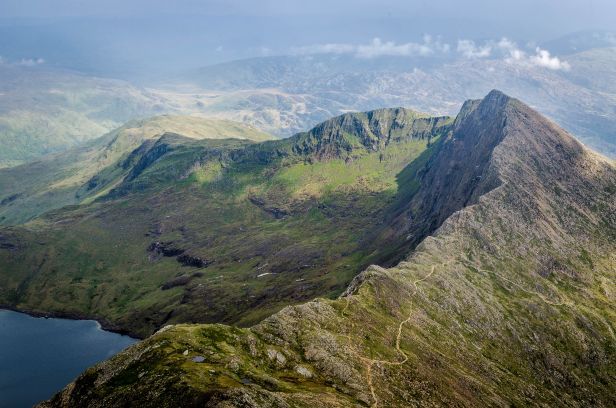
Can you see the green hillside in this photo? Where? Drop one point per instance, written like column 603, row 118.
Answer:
column 185, row 230
column 70, row 177
column 45, row 110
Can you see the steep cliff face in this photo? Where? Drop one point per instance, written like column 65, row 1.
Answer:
column 453, row 178
column 372, row 131
column 508, row 302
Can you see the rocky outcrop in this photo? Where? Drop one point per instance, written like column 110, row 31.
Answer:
column 169, row 249
column 164, row 249
column 372, row 131
column 455, row 177
column 193, row 261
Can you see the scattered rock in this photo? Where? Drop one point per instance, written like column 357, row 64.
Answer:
column 165, row 249
column 195, row 261
column 277, row 356
column 177, row 281
column 303, row 371
column 234, row 364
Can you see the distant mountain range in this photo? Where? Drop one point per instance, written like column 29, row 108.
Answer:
column 310, row 88
column 495, row 232
column 83, row 173
column 45, row 110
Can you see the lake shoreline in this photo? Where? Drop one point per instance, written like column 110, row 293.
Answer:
column 104, row 324
column 41, row 354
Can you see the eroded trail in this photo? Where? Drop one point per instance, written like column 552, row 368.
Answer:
column 369, row 362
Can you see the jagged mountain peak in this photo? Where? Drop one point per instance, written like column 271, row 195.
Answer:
column 494, row 140
column 487, row 122
column 488, row 108
column 496, row 99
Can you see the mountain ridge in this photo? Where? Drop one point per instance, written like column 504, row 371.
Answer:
column 507, row 301
column 302, row 212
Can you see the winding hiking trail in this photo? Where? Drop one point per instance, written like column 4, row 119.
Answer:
column 398, row 349
column 369, row 362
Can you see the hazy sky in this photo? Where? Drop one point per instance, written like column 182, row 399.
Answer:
column 108, row 35
column 581, row 13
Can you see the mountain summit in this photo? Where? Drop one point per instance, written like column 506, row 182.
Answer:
column 503, row 296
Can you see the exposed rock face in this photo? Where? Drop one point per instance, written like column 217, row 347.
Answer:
column 164, row 249
column 371, row 130
column 455, row 177
column 509, row 302
column 193, row 260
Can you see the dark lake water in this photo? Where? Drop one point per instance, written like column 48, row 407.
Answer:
column 39, row 356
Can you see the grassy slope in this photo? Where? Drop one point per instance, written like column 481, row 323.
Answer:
column 43, row 110
column 510, row 303
column 298, row 210
column 54, row 181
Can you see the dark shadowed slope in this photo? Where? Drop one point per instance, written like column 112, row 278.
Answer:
column 510, row 302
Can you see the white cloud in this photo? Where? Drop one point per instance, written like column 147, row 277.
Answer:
column 504, row 48
column 469, row 49
column 331, row 48
column 31, row 62
column 543, row 58
column 24, row 62
column 506, row 44
column 511, row 50
column 512, row 54
column 378, row 48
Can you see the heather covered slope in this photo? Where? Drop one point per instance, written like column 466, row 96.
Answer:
column 509, row 303
column 183, row 230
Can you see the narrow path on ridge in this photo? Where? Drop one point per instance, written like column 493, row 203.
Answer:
column 369, row 362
